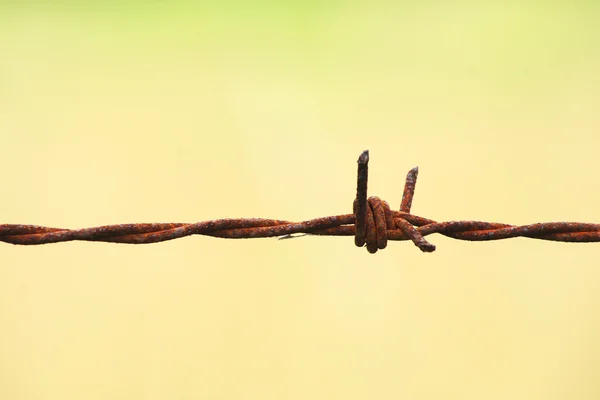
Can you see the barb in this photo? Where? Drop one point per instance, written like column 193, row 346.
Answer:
column 372, row 223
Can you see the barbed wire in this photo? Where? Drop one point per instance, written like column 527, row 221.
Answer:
column 372, row 222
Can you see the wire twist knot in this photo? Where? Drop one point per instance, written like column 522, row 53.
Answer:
column 374, row 216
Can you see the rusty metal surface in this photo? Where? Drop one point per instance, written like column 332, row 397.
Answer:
column 372, row 223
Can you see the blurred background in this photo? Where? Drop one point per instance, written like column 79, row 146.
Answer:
column 131, row 111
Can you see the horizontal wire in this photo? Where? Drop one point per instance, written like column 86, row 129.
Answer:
column 373, row 223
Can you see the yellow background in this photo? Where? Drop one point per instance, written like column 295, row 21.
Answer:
column 131, row 112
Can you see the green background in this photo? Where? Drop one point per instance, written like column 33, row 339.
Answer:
column 115, row 112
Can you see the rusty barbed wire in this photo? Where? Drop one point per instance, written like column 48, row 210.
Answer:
column 372, row 222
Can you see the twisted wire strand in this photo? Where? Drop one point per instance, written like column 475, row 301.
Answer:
column 373, row 223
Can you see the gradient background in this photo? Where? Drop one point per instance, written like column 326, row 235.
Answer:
column 114, row 112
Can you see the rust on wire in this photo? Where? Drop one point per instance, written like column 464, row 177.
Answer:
column 372, row 222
